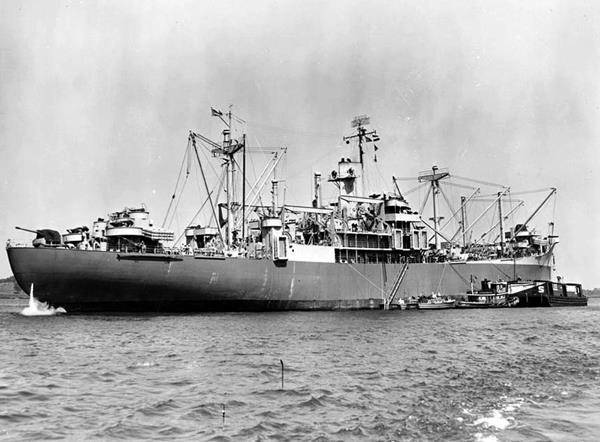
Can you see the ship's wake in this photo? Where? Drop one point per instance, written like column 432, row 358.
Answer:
column 38, row 308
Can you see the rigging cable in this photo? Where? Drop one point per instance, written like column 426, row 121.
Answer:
column 442, row 276
column 509, row 214
column 260, row 200
column 380, row 176
column 462, row 186
column 208, row 191
column 179, row 199
column 449, row 204
column 425, row 201
column 193, row 218
column 186, row 154
column 220, row 179
column 508, row 277
column 365, row 278
column 487, row 183
column 460, row 207
column 200, row 190
column 511, row 205
column 465, row 280
column 219, row 190
column 492, row 224
column 417, row 187
column 526, row 192
column 209, row 163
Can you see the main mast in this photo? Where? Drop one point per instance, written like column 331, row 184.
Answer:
column 434, row 177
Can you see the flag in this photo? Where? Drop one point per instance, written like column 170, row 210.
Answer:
column 376, row 137
column 215, row 113
column 375, row 147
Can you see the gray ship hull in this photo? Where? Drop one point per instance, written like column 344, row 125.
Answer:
column 95, row 281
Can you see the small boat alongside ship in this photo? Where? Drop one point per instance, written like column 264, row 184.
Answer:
column 411, row 303
column 436, row 302
column 524, row 294
column 548, row 294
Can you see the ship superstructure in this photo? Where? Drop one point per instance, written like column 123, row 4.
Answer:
column 364, row 249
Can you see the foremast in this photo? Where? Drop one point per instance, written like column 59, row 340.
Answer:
column 226, row 151
column 232, row 233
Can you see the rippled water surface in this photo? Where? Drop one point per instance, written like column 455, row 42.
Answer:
column 502, row 374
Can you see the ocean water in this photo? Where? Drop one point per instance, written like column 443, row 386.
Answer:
column 480, row 375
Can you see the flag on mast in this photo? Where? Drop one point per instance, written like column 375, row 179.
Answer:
column 215, row 113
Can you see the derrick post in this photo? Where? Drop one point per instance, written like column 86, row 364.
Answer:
column 434, row 190
column 501, row 223
column 463, row 219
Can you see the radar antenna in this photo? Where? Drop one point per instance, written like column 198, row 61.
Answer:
column 364, row 136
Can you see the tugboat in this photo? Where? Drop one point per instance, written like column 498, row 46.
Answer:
column 485, row 300
column 492, row 294
column 360, row 251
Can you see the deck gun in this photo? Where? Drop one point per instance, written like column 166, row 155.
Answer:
column 45, row 237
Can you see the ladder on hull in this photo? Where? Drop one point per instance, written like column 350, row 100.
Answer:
column 395, row 287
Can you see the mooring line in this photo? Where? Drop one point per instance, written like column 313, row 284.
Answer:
column 501, row 271
column 367, row 279
column 465, row 280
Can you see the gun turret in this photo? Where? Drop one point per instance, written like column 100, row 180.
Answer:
column 45, row 237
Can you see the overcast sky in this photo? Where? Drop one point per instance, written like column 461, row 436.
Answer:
column 97, row 98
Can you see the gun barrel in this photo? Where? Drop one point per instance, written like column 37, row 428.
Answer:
column 27, row 230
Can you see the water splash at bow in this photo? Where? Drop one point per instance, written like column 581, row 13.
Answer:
column 37, row 308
